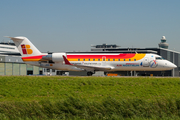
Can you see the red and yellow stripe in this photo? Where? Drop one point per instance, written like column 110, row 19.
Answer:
column 90, row 57
column 117, row 57
column 33, row 58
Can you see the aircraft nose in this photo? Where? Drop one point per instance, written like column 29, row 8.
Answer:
column 172, row 65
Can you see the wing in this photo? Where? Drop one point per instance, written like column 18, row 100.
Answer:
column 88, row 68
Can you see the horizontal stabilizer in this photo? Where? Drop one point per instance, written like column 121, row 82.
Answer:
column 25, row 47
column 14, row 38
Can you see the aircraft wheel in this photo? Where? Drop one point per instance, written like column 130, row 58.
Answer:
column 105, row 73
column 89, row 73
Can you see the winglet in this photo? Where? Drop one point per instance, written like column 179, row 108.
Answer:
column 66, row 61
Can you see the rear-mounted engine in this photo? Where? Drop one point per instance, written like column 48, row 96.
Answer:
column 55, row 57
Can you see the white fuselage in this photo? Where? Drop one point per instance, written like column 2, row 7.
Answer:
column 149, row 62
column 90, row 61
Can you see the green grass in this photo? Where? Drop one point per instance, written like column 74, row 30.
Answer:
column 55, row 97
column 33, row 88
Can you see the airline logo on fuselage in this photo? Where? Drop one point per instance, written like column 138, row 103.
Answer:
column 26, row 49
column 153, row 63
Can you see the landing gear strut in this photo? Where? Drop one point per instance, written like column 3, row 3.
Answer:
column 89, row 73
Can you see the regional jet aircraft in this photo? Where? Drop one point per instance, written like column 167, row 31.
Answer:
column 90, row 61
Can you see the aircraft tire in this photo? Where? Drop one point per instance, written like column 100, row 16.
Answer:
column 89, row 73
column 105, row 73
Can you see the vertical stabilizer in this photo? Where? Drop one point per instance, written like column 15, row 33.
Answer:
column 25, row 47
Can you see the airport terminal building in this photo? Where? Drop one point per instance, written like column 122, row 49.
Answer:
column 170, row 55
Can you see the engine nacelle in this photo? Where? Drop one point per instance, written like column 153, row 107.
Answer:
column 58, row 57
column 55, row 57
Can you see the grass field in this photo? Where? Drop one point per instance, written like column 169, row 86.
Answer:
column 58, row 97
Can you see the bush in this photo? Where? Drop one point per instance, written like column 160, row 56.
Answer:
column 109, row 108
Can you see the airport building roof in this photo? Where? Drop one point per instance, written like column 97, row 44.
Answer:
column 8, row 48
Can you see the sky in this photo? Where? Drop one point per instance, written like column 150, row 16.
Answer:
column 75, row 25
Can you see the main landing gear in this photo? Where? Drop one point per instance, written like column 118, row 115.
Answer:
column 89, row 73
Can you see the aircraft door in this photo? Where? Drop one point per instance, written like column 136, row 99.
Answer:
column 103, row 60
column 145, row 62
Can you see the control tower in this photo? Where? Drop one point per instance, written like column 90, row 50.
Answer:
column 163, row 43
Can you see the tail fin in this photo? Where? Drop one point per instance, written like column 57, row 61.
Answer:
column 25, row 47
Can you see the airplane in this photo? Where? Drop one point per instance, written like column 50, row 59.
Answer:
column 90, row 61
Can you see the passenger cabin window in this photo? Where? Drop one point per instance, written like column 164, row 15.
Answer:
column 129, row 59
column 89, row 60
column 93, row 59
column 98, row 59
column 134, row 59
column 124, row 59
column 118, row 59
column 78, row 59
column 108, row 59
column 83, row 59
column 113, row 59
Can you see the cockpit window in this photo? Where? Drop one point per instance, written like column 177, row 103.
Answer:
column 159, row 58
